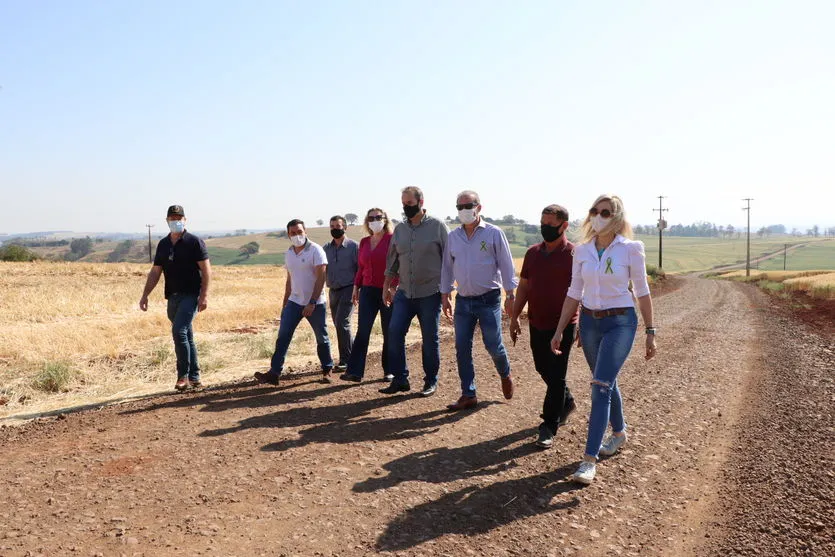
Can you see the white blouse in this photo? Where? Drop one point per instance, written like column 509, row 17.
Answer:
column 602, row 282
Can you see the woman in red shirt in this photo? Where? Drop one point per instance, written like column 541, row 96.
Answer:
column 368, row 293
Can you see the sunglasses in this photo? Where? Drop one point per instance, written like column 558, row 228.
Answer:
column 605, row 213
column 463, row 206
column 375, row 217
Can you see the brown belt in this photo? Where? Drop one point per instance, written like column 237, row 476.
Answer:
column 601, row 313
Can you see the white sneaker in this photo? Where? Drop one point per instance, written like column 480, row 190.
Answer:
column 612, row 443
column 585, row 473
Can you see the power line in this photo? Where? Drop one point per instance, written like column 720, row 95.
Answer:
column 662, row 224
column 150, row 257
column 748, row 238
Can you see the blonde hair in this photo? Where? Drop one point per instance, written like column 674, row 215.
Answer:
column 386, row 222
column 617, row 224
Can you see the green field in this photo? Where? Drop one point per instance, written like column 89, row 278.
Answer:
column 696, row 254
column 681, row 254
column 816, row 256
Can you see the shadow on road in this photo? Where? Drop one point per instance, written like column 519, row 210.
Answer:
column 441, row 465
column 245, row 395
column 476, row 510
column 341, row 423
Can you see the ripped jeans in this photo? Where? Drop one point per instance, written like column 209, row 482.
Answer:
column 606, row 345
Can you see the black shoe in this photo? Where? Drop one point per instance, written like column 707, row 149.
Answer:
column 388, row 377
column 268, row 377
column 429, row 388
column 546, row 437
column 341, row 367
column 350, row 377
column 569, row 408
column 395, row 388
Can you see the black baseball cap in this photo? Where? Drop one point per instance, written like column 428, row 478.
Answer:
column 176, row 210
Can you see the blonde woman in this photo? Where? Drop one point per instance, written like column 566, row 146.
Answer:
column 368, row 293
column 604, row 264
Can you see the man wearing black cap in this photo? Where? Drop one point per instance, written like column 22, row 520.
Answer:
column 184, row 260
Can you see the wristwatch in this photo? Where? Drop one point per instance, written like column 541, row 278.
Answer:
column 312, row 302
column 650, row 330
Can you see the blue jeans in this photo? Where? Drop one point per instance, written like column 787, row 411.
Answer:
column 370, row 304
column 291, row 316
column 606, row 344
column 342, row 308
column 181, row 311
column 486, row 310
column 428, row 311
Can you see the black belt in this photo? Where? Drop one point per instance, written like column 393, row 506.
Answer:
column 342, row 287
column 480, row 296
column 601, row 313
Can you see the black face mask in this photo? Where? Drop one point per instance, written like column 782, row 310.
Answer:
column 550, row 233
column 411, row 210
column 337, row 233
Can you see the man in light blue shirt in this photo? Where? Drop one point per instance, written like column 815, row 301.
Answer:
column 477, row 257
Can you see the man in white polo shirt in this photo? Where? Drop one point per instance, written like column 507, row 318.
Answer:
column 306, row 265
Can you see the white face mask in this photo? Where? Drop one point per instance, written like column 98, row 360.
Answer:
column 598, row 223
column 177, row 226
column 467, row 216
column 376, row 226
column 298, row 240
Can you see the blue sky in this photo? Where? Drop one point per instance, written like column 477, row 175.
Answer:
column 251, row 113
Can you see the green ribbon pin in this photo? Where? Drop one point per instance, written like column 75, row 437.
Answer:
column 608, row 270
column 483, row 245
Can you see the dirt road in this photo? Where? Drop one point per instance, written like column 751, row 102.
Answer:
column 730, row 451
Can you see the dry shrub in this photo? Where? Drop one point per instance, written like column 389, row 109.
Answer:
column 54, row 377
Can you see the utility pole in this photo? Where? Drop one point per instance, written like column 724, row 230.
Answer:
column 662, row 224
column 785, row 249
column 150, row 256
column 748, row 240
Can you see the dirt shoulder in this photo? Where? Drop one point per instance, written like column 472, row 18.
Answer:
column 778, row 495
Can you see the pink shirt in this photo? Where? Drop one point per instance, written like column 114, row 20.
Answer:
column 371, row 269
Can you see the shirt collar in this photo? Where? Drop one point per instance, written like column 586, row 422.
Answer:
column 562, row 242
column 422, row 219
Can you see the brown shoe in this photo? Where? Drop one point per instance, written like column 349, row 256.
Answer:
column 463, row 403
column 182, row 384
column 269, row 377
column 326, row 376
column 507, row 387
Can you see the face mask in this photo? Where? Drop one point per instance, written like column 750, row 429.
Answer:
column 337, row 233
column 467, row 216
column 598, row 223
column 550, row 233
column 411, row 210
column 376, row 226
column 299, row 240
column 176, row 226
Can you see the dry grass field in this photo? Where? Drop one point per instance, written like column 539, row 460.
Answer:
column 72, row 333
column 818, row 284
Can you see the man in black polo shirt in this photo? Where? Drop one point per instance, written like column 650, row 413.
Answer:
column 184, row 260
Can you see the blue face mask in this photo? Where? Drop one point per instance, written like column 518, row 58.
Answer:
column 176, row 226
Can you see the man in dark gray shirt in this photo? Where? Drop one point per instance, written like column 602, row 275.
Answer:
column 415, row 256
column 342, row 255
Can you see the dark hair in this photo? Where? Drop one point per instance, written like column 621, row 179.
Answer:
column 558, row 210
column 414, row 190
column 340, row 217
column 293, row 223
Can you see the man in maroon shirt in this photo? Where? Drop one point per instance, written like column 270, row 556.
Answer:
column 545, row 278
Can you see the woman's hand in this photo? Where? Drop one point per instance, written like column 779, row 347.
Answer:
column 651, row 348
